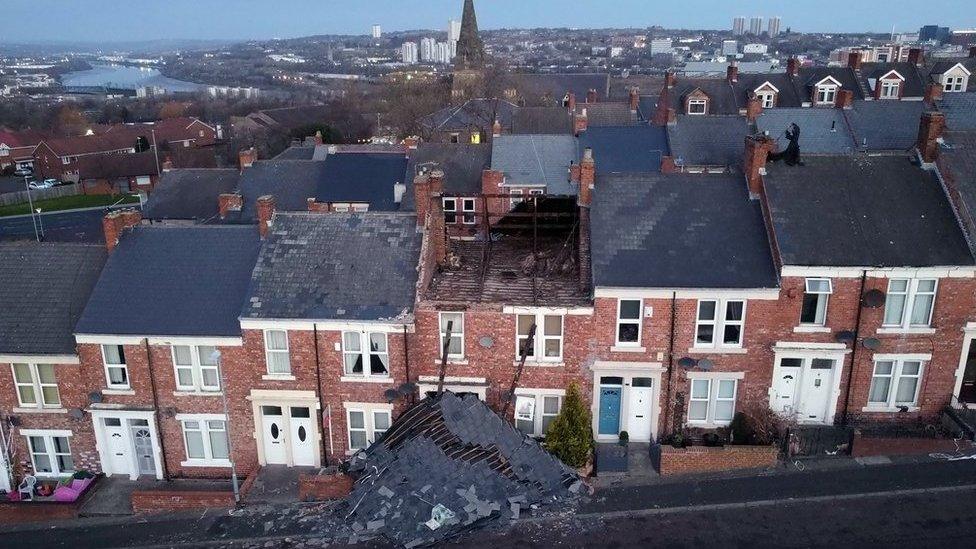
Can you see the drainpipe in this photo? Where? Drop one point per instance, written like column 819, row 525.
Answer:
column 318, row 390
column 857, row 334
column 155, row 395
column 406, row 362
column 230, row 439
column 667, row 398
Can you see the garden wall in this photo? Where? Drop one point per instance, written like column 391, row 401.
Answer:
column 864, row 446
column 704, row 459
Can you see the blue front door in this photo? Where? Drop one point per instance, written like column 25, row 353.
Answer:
column 609, row 410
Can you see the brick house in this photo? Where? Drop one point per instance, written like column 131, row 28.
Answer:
column 45, row 286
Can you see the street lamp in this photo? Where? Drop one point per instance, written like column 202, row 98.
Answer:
column 40, row 221
column 30, row 204
column 215, row 356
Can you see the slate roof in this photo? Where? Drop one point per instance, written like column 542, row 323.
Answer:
column 536, row 160
column 708, row 140
column 959, row 164
column 336, row 266
column 542, row 120
column 194, row 282
column 721, row 97
column 822, row 131
column 536, row 89
column 473, row 113
column 808, row 76
column 678, row 231
column 290, row 182
column 788, row 96
column 879, row 211
column 44, row 290
column 462, row 164
column 885, row 125
column 914, row 82
column 943, row 65
column 607, row 114
column 626, row 149
column 296, row 152
column 190, row 193
column 960, row 110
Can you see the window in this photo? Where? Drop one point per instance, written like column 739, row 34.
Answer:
column 36, row 385
column 534, row 413
column 467, row 207
column 895, row 383
column 697, row 106
column 116, row 371
column 450, row 210
column 50, row 454
column 276, row 352
column 629, row 322
column 814, row 311
column 360, row 348
column 826, row 95
column 952, row 84
column 720, row 317
column 206, row 439
column 712, row 401
column 548, row 340
column 475, row 138
column 890, row 89
column 196, row 368
column 767, row 99
column 366, row 427
column 516, row 197
column 456, row 347
column 909, row 302
column 455, row 138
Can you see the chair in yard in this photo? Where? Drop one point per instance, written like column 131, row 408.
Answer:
column 26, row 488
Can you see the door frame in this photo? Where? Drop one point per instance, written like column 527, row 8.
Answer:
column 101, row 441
column 807, row 352
column 969, row 334
column 285, row 399
column 628, row 371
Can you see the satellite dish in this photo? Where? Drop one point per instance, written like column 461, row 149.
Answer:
column 76, row 413
column 687, row 362
column 872, row 343
column 845, row 336
column 873, row 299
column 705, row 364
column 170, row 411
column 14, row 421
column 391, row 394
column 486, row 342
column 95, row 397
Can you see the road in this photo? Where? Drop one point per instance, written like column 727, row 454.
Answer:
column 11, row 184
column 70, row 226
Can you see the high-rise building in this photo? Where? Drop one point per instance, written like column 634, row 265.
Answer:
column 755, row 25
column 442, row 53
column 730, row 47
column 934, row 32
column 409, row 52
column 377, row 31
column 453, row 34
column 739, row 26
column 427, row 46
column 774, row 23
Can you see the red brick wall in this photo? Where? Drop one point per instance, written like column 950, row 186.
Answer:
column 21, row 513
column 160, row 501
column 702, row 459
column 904, row 446
column 324, row 487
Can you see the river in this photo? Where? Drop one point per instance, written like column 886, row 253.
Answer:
column 125, row 77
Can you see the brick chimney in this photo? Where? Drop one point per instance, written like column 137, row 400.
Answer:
column 496, row 128
column 571, row 101
column 229, row 202
column 792, row 66
column 580, row 123
column 915, row 56
column 972, row 52
column 758, row 148
column 421, row 197
column 167, row 164
column 732, row 73
column 411, row 143
column 435, row 228
column 845, row 99
column 854, row 60
column 266, row 211
column 670, row 79
column 591, row 96
column 247, row 157
column 668, row 165
column 753, row 108
column 587, row 178
column 318, row 137
column 115, row 223
column 634, row 99
column 933, row 92
column 672, row 119
column 929, row 131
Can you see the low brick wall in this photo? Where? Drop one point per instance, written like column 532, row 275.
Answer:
column 158, row 501
column 324, row 487
column 23, row 512
column 704, row 459
column 864, row 446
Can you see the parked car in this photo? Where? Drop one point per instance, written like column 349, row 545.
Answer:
column 23, row 172
column 53, row 182
column 46, row 184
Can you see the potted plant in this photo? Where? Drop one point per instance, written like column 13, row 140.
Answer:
column 624, row 438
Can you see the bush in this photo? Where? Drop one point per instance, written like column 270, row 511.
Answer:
column 760, row 426
column 570, row 436
column 739, row 430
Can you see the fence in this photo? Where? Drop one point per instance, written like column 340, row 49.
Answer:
column 20, row 197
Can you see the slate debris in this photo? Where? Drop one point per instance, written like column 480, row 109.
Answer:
column 455, row 452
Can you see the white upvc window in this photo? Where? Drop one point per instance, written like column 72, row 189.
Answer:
column 450, row 210
column 36, row 385
column 467, row 211
column 954, row 84
column 276, row 352
column 767, row 99
column 456, row 348
column 890, row 89
column 205, row 438
column 698, row 106
column 909, row 302
column 361, row 348
column 196, row 367
column 895, row 383
column 516, row 197
column 50, row 453
column 816, row 295
column 826, row 94
column 116, row 371
column 720, row 323
column 712, row 401
column 548, row 341
column 629, row 322
column 365, row 426
column 534, row 412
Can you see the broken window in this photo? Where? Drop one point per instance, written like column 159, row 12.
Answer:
column 456, row 321
column 362, row 348
column 815, row 298
column 547, row 344
column 534, row 412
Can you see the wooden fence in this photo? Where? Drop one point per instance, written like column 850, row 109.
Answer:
column 20, row 197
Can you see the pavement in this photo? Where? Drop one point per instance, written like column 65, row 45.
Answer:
column 276, row 484
column 83, row 225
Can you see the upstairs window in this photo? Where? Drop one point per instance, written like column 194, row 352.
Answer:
column 815, row 298
column 116, row 371
column 909, row 303
column 697, row 106
column 954, row 84
column 720, row 323
column 276, row 352
column 196, row 368
column 767, row 99
column 890, row 89
column 548, row 341
column 467, row 209
column 629, row 322
column 36, row 386
column 362, row 348
column 450, row 210
column 455, row 349
column 826, row 94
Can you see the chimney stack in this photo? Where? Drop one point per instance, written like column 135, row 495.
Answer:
column 753, row 108
column 410, row 143
column 972, row 52
column 591, row 96
column 266, row 211
column 634, row 99
column 496, row 128
column 929, row 132
column 580, row 123
column 670, row 79
column 571, row 101
column 421, row 197
column 436, row 229
column 915, row 56
column 792, row 66
column 167, row 164
column 672, row 117
column 115, row 223
column 854, row 60
column 933, row 92
column 845, row 99
column 668, row 165
column 247, row 157
column 758, row 148
column 229, row 202
column 587, row 178
column 732, row 73
column 318, row 137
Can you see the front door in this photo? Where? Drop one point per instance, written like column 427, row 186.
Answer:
column 302, row 446
column 790, row 370
column 142, row 441
column 272, row 423
column 815, row 393
column 639, row 406
column 967, row 391
column 609, row 410
column 118, row 446
column 4, row 471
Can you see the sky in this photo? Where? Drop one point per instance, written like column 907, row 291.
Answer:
column 132, row 20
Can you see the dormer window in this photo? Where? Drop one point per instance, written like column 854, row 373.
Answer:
column 890, row 89
column 954, row 84
column 766, row 99
column 698, row 106
column 826, row 94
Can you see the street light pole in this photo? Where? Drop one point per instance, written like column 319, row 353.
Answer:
column 30, row 204
column 230, row 447
column 40, row 221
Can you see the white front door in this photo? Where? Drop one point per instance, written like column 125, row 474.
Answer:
column 118, row 446
column 784, row 386
column 4, row 471
column 145, row 455
column 302, row 442
column 640, row 408
column 815, row 392
column 273, row 425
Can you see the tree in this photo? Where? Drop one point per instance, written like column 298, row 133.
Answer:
column 570, row 436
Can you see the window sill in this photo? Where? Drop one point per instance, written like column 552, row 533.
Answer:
column 452, row 361
column 627, row 349
column 538, row 363
column 890, row 410
column 119, row 392
column 811, row 330
column 205, row 463
column 917, row 331
column 198, row 393
column 278, row 377
column 32, row 410
column 708, row 424
column 718, row 350
column 364, row 379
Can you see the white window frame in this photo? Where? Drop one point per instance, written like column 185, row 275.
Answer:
column 713, row 383
column 369, row 424
column 36, row 385
column 826, row 94
column 49, row 451
column 365, row 353
column 468, row 207
column 719, row 323
column 537, row 397
column 269, row 351
column 895, row 378
column 515, row 199
column 622, row 321
column 767, row 99
column 911, row 295
column 450, row 209
column 890, row 89
column 455, row 333
column 196, row 368
column 205, row 429
column 823, row 296
column 539, row 341
column 121, row 366
column 703, row 103
column 954, row 84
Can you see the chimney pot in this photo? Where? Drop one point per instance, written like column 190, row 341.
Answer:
column 266, row 211
column 247, row 157
column 854, row 60
column 792, row 66
column 634, row 99
column 229, row 202
column 580, row 123
column 496, row 128
column 732, row 72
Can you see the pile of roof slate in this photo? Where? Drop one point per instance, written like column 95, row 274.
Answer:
column 447, row 465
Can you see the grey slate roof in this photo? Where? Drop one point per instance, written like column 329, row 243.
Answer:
column 536, row 160
column 296, row 152
column 462, row 164
column 959, row 165
column 788, row 86
column 473, row 113
column 542, row 120
column 809, row 76
column 43, row 291
column 336, row 266
column 626, row 149
column 678, row 231
column 708, row 140
column 879, row 211
column 173, row 281
column 721, row 97
column 536, row 89
column 822, row 131
column 914, row 82
column 960, row 110
column 885, row 125
column 607, row 114
column 190, row 193
column 291, row 182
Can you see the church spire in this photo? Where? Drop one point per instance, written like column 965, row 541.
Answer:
column 470, row 48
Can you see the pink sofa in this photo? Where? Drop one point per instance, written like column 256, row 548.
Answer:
column 72, row 491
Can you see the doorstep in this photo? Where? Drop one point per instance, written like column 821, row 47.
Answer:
column 635, row 462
